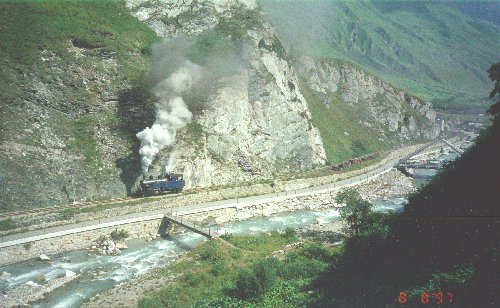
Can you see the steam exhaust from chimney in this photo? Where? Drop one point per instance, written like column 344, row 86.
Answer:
column 172, row 113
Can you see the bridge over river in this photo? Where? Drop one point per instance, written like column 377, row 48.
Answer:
column 407, row 163
column 191, row 225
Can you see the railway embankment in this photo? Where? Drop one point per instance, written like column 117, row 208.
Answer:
column 66, row 215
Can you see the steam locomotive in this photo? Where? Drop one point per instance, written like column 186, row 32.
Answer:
column 161, row 185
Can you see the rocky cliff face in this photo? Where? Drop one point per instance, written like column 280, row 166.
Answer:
column 256, row 123
column 70, row 133
column 389, row 110
column 60, row 139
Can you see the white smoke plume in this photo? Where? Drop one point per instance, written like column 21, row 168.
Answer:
column 172, row 161
column 172, row 113
column 181, row 83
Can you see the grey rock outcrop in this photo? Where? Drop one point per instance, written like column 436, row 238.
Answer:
column 186, row 17
column 388, row 108
column 257, row 121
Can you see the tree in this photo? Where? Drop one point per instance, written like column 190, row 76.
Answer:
column 356, row 210
column 494, row 73
column 261, row 278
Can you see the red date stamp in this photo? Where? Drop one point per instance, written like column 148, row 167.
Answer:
column 426, row 298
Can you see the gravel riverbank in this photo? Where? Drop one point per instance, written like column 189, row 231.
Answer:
column 32, row 291
column 390, row 185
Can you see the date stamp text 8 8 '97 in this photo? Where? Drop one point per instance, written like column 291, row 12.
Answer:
column 426, row 298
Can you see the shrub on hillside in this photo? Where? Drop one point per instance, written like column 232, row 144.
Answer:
column 297, row 267
column 315, row 251
column 118, row 236
column 217, row 268
column 290, row 234
column 254, row 282
column 211, row 252
column 247, row 285
column 265, row 271
column 7, row 224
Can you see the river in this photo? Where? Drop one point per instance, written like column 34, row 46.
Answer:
column 100, row 273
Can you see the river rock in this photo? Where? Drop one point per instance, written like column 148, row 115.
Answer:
column 114, row 252
column 69, row 274
column 44, row 257
column 121, row 245
column 100, row 271
column 5, row 275
column 338, row 243
column 31, row 284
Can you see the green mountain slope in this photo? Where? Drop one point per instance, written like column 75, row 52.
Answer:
column 65, row 70
column 429, row 49
column 30, row 27
column 486, row 10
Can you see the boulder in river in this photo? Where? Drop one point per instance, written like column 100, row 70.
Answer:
column 121, row 245
column 31, row 284
column 5, row 275
column 114, row 252
column 44, row 257
column 100, row 271
column 69, row 274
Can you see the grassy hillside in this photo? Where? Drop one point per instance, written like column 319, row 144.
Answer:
column 486, row 10
column 339, row 125
column 426, row 48
column 65, row 67
column 30, row 27
column 240, row 271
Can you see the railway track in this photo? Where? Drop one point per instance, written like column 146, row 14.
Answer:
column 53, row 209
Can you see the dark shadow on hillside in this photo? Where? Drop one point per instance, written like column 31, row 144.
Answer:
column 136, row 111
column 131, row 169
column 445, row 239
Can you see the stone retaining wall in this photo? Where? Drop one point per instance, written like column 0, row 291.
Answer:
column 318, row 201
column 73, row 241
column 149, row 228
